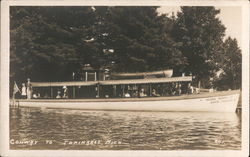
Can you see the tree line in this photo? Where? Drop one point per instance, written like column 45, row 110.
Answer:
column 49, row 43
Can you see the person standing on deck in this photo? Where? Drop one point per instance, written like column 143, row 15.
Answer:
column 179, row 89
column 23, row 91
column 173, row 89
column 65, row 92
column 29, row 89
column 176, row 89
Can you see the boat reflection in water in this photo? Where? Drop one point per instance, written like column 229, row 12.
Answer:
column 127, row 130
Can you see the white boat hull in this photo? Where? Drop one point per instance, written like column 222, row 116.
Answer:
column 210, row 102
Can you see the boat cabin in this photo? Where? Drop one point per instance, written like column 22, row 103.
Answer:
column 88, row 73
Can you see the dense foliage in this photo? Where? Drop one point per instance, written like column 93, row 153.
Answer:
column 49, row 43
column 201, row 34
column 140, row 39
column 230, row 65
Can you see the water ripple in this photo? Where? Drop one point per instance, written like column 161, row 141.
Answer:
column 125, row 130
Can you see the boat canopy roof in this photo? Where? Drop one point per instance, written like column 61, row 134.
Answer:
column 147, row 81
column 60, row 84
column 112, row 82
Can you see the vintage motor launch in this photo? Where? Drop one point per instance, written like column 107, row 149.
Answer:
column 149, row 91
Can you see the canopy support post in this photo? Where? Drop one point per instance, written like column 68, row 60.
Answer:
column 123, row 86
column 150, row 89
column 51, row 92
column 114, row 90
column 98, row 91
column 86, row 76
column 74, row 92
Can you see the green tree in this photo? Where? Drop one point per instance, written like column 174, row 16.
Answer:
column 230, row 66
column 201, row 33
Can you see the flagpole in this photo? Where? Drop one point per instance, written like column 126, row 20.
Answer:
column 15, row 90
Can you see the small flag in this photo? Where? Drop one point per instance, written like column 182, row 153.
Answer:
column 15, row 89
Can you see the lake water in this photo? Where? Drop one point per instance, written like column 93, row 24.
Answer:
column 35, row 128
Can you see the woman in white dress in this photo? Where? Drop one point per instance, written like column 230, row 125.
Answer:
column 24, row 91
column 29, row 89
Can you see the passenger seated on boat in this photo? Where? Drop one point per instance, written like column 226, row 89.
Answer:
column 46, row 96
column 197, row 90
column 38, row 95
column 142, row 93
column 136, row 93
column 58, row 95
column 127, row 95
column 173, row 92
column 34, row 96
column 154, row 93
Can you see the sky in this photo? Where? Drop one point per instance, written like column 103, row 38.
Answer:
column 230, row 16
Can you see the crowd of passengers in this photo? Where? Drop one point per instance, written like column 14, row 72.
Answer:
column 174, row 91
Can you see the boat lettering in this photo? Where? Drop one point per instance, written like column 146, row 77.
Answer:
column 223, row 97
column 210, row 99
column 214, row 102
column 219, row 99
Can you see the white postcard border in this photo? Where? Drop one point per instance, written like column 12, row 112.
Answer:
column 5, row 151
